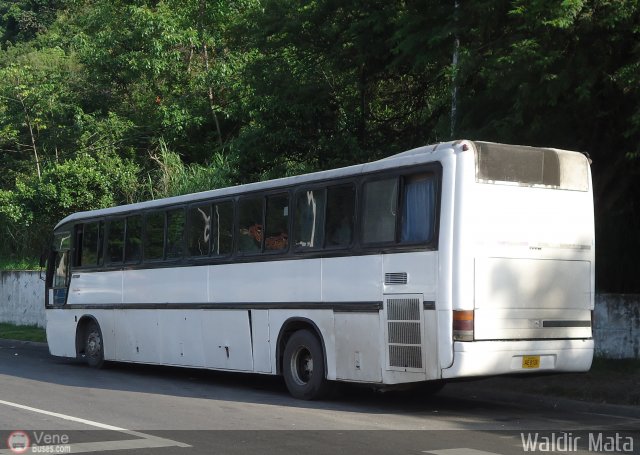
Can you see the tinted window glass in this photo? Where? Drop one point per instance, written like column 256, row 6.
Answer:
column 154, row 236
column 379, row 212
column 512, row 163
column 133, row 243
column 340, row 211
column 418, row 209
column 61, row 243
column 277, row 220
column 309, row 219
column 222, row 229
column 175, row 233
column 115, row 240
column 91, row 243
column 199, row 233
column 250, row 230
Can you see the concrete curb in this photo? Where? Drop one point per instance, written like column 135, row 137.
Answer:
column 488, row 394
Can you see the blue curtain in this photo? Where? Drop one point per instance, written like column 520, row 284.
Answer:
column 418, row 210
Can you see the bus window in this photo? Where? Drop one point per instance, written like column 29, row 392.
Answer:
column 154, row 236
column 309, row 219
column 199, row 232
column 61, row 245
column 92, row 236
column 418, row 209
column 133, row 241
column 115, row 240
column 175, row 234
column 339, row 218
column 277, row 221
column 57, row 278
column 250, row 225
column 222, row 232
column 379, row 213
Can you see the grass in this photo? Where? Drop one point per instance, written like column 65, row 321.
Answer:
column 22, row 332
column 19, row 264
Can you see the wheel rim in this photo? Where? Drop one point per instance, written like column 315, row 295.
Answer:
column 302, row 365
column 94, row 344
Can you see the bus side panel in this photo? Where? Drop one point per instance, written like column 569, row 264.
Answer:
column 352, row 279
column 179, row 337
column 166, row 285
column 95, row 287
column 283, row 281
column 261, row 343
column 61, row 333
column 137, row 337
column 226, row 338
column 358, row 354
column 422, row 279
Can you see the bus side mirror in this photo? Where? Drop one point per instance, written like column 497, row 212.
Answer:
column 43, row 262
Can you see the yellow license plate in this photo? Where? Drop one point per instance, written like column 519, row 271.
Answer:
column 531, row 361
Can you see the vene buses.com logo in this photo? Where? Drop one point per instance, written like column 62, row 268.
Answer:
column 18, row 442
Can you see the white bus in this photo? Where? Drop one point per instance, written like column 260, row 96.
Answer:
column 461, row 259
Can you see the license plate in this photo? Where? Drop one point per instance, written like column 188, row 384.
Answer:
column 531, row 361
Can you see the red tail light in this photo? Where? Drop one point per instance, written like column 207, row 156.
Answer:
column 463, row 325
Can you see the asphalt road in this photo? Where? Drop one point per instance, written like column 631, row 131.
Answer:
column 62, row 406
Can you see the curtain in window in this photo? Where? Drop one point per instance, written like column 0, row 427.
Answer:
column 418, row 210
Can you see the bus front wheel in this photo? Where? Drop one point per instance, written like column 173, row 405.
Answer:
column 93, row 345
column 303, row 366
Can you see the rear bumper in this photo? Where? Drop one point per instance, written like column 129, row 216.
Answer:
column 483, row 358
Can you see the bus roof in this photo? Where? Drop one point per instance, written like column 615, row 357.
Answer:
column 408, row 158
column 424, row 154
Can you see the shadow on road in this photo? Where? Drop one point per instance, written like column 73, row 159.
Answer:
column 33, row 362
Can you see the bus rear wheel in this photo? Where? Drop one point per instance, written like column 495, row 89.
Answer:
column 93, row 345
column 303, row 366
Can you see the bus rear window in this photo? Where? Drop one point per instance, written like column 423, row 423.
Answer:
column 531, row 166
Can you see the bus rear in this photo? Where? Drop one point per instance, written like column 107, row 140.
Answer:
column 523, row 261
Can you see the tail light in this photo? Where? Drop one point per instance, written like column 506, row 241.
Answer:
column 463, row 325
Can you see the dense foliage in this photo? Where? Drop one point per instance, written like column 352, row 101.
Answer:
column 103, row 102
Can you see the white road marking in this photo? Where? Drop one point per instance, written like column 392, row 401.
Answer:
column 63, row 416
column 144, row 441
column 461, row 451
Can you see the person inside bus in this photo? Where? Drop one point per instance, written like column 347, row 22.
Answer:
column 250, row 238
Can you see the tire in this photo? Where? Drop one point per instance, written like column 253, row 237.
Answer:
column 93, row 345
column 303, row 366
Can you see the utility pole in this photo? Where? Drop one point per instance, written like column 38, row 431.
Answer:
column 454, row 88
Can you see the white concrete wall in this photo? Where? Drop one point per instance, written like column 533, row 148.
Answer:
column 617, row 326
column 22, row 298
column 616, row 330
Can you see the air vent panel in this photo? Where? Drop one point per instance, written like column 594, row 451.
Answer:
column 394, row 278
column 404, row 328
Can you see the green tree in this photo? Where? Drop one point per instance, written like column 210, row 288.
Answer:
column 37, row 106
column 29, row 212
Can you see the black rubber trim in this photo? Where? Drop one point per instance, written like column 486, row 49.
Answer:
column 566, row 323
column 335, row 306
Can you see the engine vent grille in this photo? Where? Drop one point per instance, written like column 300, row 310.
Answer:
column 405, row 356
column 404, row 332
column 395, row 278
column 403, row 310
